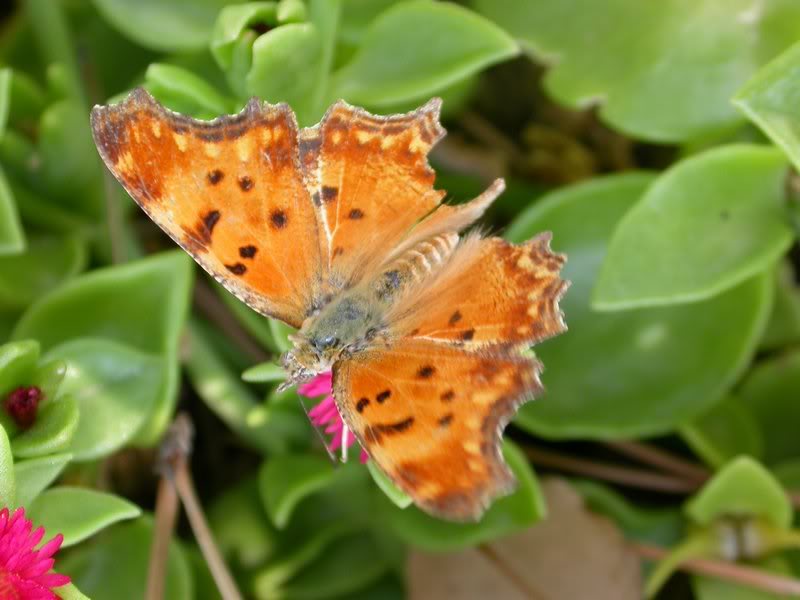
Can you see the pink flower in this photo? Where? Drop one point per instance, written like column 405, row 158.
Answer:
column 24, row 572
column 22, row 404
column 325, row 414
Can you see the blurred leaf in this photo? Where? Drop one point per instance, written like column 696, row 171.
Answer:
column 725, row 431
column 55, row 426
column 115, row 565
column 280, row 334
column 769, row 393
column 650, row 525
column 663, row 71
column 140, row 304
column 12, row 237
column 771, row 99
column 47, row 262
column 231, row 24
column 70, row 592
column 240, row 526
column 165, row 25
column 184, row 92
column 545, row 558
column 393, row 493
column 783, row 327
column 115, row 387
column 79, row 513
column 440, row 43
column 742, row 488
column 707, row 224
column 639, row 372
column 256, row 324
column 35, row 474
column 233, row 402
column 285, row 480
column 353, row 563
column 506, row 515
column 267, row 372
column 17, row 364
column 8, row 488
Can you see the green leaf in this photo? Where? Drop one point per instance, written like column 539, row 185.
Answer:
column 115, row 565
column 183, row 91
column 354, row 563
column 662, row 71
column 286, row 480
column 677, row 243
column 440, row 43
column 725, row 431
column 511, row 513
column 35, row 474
column 771, row 99
column 783, row 328
column 285, row 61
column 742, row 488
column 140, row 304
column 56, row 424
column 8, row 487
column 17, row 364
column 393, row 493
column 70, row 592
column 256, row 324
column 79, row 513
column 47, row 262
column 233, row 21
column 115, row 387
column 267, row 372
column 165, row 25
column 640, row 372
column 12, row 237
column 769, row 394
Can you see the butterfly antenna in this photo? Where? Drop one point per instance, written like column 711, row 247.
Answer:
column 317, row 431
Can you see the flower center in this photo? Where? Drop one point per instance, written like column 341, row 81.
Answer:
column 22, row 405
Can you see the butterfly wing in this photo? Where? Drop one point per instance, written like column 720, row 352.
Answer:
column 490, row 292
column 231, row 192
column 431, row 415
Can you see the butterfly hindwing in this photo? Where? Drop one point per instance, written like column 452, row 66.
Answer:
column 431, row 415
column 229, row 191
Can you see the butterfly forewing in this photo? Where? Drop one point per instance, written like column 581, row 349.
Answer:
column 229, row 191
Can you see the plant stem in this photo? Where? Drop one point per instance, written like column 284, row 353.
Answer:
column 524, row 588
column 167, row 506
column 733, row 572
column 621, row 475
column 657, row 457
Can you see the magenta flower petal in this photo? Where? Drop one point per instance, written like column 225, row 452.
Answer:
column 24, row 571
column 326, row 414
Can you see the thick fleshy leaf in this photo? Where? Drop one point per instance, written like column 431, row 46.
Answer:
column 707, row 224
column 638, row 372
column 35, row 474
column 440, row 43
column 387, row 486
column 79, row 513
column 285, row 480
column 140, row 304
column 742, row 488
column 12, row 237
column 522, row 508
column 115, row 565
column 17, row 364
column 164, row 25
column 727, row 430
column 70, row 592
column 8, row 486
column 769, row 393
column 47, row 262
column 56, row 424
column 184, row 92
column 783, row 327
column 664, row 71
column 256, row 325
column 232, row 23
column 115, row 387
column 267, row 372
column 771, row 99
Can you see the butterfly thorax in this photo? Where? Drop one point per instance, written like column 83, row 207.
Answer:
column 355, row 318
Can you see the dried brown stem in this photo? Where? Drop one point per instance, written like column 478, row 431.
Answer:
column 657, row 457
column 217, row 312
column 522, row 586
column 167, row 506
column 616, row 474
column 729, row 571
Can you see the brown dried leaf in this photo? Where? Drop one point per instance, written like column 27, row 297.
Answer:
column 573, row 554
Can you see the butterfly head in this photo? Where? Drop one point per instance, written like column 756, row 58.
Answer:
column 309, row 357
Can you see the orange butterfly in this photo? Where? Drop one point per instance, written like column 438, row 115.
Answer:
column 337, row 230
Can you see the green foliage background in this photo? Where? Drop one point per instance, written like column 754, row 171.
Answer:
column 658, row 141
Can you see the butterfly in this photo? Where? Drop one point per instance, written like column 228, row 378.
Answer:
column 337, row 230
